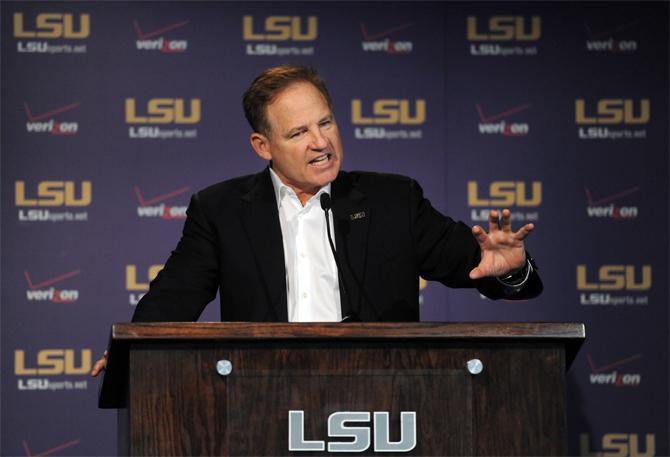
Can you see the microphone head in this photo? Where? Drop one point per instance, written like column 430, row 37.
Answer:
column 326, row 202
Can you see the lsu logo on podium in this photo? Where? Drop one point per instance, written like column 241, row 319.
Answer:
column 281, row 28
column 54, row 26
column 619, row 445
column 339, row 427
column 54, row 193
column 138, row 286
column 505, row 28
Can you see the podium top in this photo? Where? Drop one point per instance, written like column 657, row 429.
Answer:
column 124, row 336
column 414, row 330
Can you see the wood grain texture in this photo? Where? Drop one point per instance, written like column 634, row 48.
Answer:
column 181, row 406
column 177, row 404
column 113, row 389
column 245, row 330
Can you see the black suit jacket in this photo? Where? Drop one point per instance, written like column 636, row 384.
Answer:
column 386, row 233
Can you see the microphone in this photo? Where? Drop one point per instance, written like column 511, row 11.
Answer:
column 326, row 205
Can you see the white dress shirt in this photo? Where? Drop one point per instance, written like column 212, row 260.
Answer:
column 312, row 286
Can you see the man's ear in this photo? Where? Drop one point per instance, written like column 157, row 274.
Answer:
column 261, row 145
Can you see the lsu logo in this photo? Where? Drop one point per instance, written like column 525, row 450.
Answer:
column 281, row 28
column 53, row 362
column 389, row 111
column 134, row 284
column 619, row 445
column 505, row 28
column 54, row 193
column 506, row 193
column 615, row 277
column 611, row 111
column 53, row 25
column 164, row 111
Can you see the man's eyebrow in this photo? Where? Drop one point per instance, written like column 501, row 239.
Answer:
column 327, row 117
column 296, row 130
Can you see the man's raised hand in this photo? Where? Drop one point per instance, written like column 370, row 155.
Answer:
column 502, row 250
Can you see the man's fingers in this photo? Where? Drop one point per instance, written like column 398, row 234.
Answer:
column 506, row 220
column 493, row 221
column 479, row 233
column 524, row 231
column 99, row 365
column 476, row 273
column 97, row 368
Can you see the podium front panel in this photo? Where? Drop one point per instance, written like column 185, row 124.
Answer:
column 515, row 406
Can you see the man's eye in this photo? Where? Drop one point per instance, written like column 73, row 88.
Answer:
column 295, row 135
column 325, row 123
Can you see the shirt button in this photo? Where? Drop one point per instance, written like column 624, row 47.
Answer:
column 304, row 295
column 302, row 254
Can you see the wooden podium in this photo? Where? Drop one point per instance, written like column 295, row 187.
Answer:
column 355, row 388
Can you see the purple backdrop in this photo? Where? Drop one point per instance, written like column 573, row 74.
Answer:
column 114, row 113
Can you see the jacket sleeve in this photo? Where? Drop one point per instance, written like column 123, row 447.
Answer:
column 446, row 251
column 188, row 282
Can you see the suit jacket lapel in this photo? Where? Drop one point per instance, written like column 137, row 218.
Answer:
column 261, row 220
column 352, row 221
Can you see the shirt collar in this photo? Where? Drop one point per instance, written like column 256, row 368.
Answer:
column 282, row 189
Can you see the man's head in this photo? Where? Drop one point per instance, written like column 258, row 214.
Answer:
column 289, row 110
column 269, row 84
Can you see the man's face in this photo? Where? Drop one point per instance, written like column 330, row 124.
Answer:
column 304, row 144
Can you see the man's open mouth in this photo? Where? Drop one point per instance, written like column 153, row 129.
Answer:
column 320, row 159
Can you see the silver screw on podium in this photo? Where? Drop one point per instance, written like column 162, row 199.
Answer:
column 475, row 366
column 224, row 367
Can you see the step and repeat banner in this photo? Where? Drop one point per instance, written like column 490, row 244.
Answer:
column 114, row 113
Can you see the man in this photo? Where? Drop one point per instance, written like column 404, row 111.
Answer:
column 262, row 240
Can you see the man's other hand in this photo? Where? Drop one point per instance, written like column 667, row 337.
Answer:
column 99, row 365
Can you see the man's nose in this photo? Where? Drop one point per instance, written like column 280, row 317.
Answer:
column 318, row 140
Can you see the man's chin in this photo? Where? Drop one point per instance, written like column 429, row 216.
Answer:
column 327, row 176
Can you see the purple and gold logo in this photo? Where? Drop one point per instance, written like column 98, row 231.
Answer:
column 264, row 35
column 503, row 35
column 38, row 203
column 37, row 33
column 612, row 118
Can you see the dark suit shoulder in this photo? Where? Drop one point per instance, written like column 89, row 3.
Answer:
column 235, row 186
column 373, row 183
column 226, row 194
column 377, row 177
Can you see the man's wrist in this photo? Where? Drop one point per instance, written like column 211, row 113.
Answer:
column 517, row 278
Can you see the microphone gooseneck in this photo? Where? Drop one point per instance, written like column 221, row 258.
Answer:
column 326, row 204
